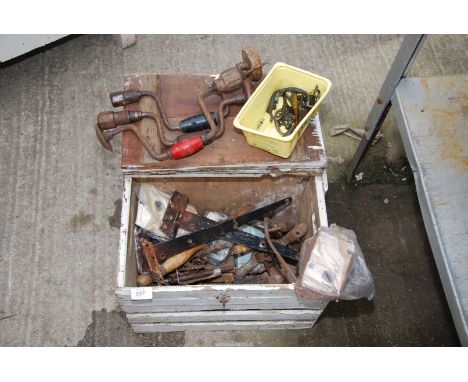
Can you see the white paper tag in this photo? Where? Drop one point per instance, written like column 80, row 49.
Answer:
column 145, row 293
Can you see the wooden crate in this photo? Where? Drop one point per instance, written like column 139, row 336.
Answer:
column 174, row 308
column 225, row 174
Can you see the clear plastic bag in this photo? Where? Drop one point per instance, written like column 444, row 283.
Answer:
column 332, row 267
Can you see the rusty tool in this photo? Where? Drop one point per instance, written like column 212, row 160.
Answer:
column 353, row 133
column 111, row 123
column 246, row 268
column 263, row 257
column 202, row 275
column 281, row 228
column 246, row 207
column 171, row 247
column 215, row 248
column 242, row 76
column 243, row 239
column 295, row 234
column 191, row 124
column 295, row 108
column 278, row 230
column 283, row 266
column 295, row 103
column 176, row 216
column 228, row 81
column 170, row 221
column 157, row 270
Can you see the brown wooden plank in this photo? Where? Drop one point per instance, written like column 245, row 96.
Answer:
column 179, row 94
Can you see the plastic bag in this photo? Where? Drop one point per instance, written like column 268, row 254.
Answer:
column 332, row 267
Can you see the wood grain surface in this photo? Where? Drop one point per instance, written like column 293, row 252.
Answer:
column 179, row 93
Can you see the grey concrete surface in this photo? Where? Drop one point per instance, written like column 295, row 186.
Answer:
column 60, row 189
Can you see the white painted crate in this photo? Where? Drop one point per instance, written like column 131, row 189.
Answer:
column 198, row 307
column 234, row 173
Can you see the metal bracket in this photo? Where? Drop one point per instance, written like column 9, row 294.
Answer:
column 177, row 217
column 170, row 221
column 172, row 247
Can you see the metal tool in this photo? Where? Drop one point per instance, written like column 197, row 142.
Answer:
column 218, row 230
column 177, row 217
column 246, row 268
column 242, row 76
column 295, row 104
column 255, row 242
column 353, row 133
column 157, row 270
column 110, row 123
column 184, row 145
column 296, row 233
column 202, row 275
column 170, row 221
column 191, row 124
column 283, row 266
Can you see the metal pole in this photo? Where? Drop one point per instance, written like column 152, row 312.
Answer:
column 403, row 60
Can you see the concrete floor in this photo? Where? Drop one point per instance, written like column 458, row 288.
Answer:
column 61, row 191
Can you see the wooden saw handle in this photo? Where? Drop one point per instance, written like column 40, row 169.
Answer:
column 174, row 262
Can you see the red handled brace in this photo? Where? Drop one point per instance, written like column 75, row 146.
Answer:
column 187, row 147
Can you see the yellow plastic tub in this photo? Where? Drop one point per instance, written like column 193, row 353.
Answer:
column 254, row 121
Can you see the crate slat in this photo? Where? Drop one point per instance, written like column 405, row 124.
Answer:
column 225, row 325
column 216, row 316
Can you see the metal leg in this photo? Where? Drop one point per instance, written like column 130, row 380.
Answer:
column 403, row 60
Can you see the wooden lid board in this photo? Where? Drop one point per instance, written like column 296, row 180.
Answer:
column 229, row 155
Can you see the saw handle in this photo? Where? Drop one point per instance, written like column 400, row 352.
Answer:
column 178, row 260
